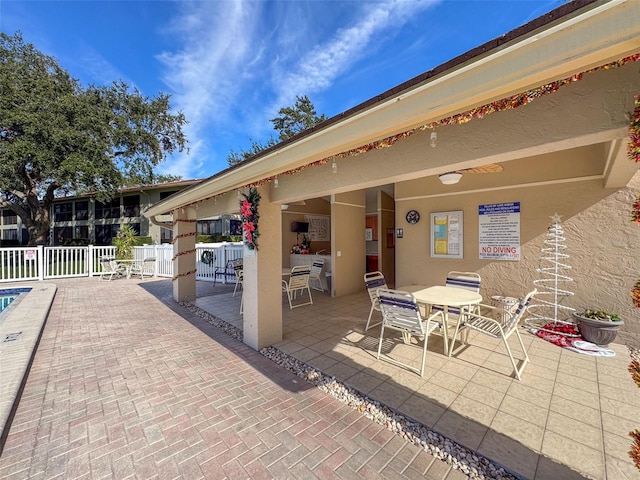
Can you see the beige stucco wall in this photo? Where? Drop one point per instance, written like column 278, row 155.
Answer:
column 347, row 237
column 296, row 213
column 601, row 242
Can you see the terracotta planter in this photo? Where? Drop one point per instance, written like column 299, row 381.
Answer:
column 600, row 332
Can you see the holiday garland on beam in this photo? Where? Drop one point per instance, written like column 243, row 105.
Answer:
column 250, row 216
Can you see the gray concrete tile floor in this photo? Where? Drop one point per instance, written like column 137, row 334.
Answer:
column 568, row 417
column 125, row 383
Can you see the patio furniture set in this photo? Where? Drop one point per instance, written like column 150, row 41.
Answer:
column 112, row 267
column 419, row 311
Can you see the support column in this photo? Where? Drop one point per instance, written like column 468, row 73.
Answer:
column 184, row 257
column 262, row 282
column 348, row 247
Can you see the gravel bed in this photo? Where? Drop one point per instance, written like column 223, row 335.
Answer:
column 461, row 458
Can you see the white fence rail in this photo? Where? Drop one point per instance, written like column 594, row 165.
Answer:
column 40, row 263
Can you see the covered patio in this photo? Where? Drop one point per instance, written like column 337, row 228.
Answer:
column 567, row 418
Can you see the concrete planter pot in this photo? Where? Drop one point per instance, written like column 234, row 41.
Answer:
column 600, row 332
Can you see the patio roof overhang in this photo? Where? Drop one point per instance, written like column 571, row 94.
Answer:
column 570, row 40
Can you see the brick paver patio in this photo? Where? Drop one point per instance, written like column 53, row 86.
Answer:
column 126, row 384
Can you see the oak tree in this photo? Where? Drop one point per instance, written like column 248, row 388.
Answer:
column 58, row 137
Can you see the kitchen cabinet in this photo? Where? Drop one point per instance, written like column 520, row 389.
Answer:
column 372, row 263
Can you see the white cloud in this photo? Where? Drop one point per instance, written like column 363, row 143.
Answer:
column 317, row 70
column 236, row 63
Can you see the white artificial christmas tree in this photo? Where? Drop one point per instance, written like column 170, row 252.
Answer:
column 553, row 283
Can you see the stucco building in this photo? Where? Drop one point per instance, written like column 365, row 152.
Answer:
column 537, row 120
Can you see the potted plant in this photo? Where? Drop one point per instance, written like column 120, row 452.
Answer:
column 598, row 326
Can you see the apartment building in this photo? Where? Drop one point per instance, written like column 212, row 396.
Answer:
column 84, row 219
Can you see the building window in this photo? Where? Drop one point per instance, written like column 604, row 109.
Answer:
column 82, row 211
column 10, row 234
column 109, row 209
column 81, row 232
column 62, row 212
column 131, row 206
column 62, row 235
column 164, row 195
column 166, row 235
column 105, row 233
column 235, row 227
column 9, row 217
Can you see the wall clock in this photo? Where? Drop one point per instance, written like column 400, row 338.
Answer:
column 413, row 217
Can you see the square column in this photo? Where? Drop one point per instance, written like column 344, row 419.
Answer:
column 184, row 257
column 262, row 280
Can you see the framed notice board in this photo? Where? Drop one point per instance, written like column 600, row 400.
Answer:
column 446, row 234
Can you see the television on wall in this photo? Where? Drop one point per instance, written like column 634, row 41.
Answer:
column 300, row 227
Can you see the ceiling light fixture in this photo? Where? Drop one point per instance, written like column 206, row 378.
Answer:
column 284, row 206
column 450, row 178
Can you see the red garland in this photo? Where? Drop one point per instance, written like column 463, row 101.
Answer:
column 509, row 103
column 633, row 147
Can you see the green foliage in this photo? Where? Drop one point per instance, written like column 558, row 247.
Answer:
column 124, row 242
column 76, row 242
column 151, row 179
column 293, row 120
column 600, row 315
column 58, row 137
column 290, row 122
column 218, row 238
column 140, row 241
column 256, row 147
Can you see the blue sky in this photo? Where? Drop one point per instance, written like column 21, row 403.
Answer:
column 231, row 65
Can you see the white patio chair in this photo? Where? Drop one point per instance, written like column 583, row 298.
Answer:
column 502, row 328
column 145, row 269
column 315, row 279
column 400, row 312
column 109, row 268
column 373, row 281
column 298, row 283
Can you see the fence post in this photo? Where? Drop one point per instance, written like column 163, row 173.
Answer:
column 40, row 262
column 90, row 260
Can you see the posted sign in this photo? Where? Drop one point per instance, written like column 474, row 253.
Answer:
column 499, row 231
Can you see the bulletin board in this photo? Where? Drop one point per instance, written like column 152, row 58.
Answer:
column 319, row 227
column 446, row 234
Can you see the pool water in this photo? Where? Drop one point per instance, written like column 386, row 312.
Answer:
column 5, row 300
column 7, row 296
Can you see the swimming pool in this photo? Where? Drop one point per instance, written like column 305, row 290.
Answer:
column 7, row 296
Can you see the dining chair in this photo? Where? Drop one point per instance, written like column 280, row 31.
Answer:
column 499, row 323
column 298, row 283
column 400, row 312
column 373, row 282
column 315, row 276
column 146, row 269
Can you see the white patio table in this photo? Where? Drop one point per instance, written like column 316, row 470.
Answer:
column 447, row 296
column 127, row 265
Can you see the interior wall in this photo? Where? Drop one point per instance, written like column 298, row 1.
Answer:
column 296, row 213
column 600, row 239
column 386, row 237
column 348, row 257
